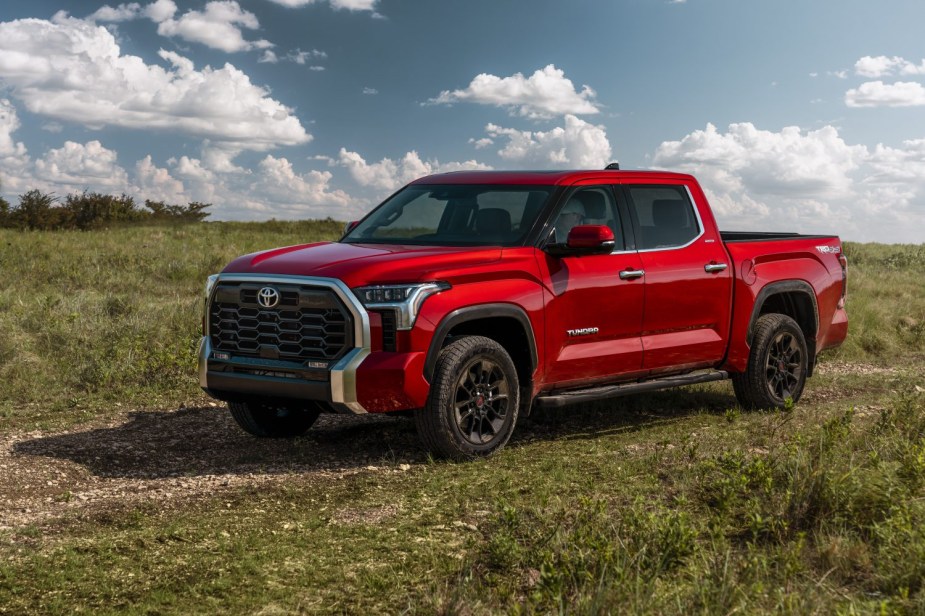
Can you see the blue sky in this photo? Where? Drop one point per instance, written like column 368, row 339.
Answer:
column 805, row 116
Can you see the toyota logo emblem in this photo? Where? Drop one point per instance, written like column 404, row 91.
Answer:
column 268, row 297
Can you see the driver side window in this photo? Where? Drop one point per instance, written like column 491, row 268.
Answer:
column 592, row 205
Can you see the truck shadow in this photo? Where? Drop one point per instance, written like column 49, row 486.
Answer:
column 627, row 414
column 206, row 441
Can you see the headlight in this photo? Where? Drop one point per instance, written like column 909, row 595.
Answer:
column 404, row 299
column 210, row 284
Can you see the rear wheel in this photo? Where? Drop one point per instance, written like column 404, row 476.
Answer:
column 274, row 420
column 777, row 365
column 473, row 402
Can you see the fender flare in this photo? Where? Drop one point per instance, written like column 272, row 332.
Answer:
column 776, row 288
column 474, row 313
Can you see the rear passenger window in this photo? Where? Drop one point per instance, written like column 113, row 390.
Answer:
column 665, row 214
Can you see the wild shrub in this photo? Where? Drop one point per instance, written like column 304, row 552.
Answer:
column 192, row 212
column 92, row 210
column 37, row 210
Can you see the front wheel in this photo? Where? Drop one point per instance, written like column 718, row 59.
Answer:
column 274, row 420
column 473, row 402
column 777, row 365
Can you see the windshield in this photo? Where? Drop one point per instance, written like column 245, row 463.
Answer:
column 463, row 215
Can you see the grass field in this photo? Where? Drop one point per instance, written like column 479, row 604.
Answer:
column 123, row 489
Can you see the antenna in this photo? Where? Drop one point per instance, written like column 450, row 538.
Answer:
column 612, row 167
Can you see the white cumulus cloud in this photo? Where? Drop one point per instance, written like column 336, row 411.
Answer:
column 76, row 166
column 576, row 144
column 787, row 163
column 9, row 123
column 157, row 184
column 161, row 10
column 883, row 66
column 14, row 158
column 546, row 93
column 879, row 94
column 73, row 70
column 268, row 57
column 123, row 12
column 809, row 181
column 272, row 189
column 218, row 26
column 277, row 184
column 389, row 174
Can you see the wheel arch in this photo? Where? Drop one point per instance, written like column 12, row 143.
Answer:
column 795, row 299
column 507, row 324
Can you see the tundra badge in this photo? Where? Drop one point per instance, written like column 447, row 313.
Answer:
column 584, row 331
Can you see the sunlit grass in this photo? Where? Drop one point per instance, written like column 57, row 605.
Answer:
column 669, row 503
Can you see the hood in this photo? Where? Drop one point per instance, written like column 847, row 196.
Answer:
column 362, row 264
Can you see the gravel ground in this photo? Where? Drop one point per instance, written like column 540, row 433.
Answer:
column 166, row 456
column 169, row 456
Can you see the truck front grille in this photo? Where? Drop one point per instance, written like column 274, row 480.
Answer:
column 308, row 323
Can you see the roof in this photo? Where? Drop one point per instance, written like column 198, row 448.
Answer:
column 540, row 178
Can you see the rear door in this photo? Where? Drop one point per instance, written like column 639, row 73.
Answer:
column 688, row 278
column 594, row 302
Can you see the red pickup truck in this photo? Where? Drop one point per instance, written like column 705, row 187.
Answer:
column 472, row 297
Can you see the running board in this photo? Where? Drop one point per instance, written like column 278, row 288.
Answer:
column 614, row 391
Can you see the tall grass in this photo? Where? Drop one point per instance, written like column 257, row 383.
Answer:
column 670, row 503
column 886, row 301
column 93, row 318
column 90, row 319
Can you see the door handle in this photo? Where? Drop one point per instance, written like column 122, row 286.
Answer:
column 712, row 268
column 629, row 274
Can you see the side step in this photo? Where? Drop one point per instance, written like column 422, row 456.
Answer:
column 624, row 389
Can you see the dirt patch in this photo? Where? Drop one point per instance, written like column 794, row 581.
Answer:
column 856, row 369
column 375, row 515
column 165, row 456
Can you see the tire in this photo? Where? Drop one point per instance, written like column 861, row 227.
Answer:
column 777, row 365
column 474, row 398
column 274, row 420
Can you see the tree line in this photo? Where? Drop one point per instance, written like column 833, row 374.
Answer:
column 92, row 210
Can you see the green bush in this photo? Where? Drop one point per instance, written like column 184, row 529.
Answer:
column 92, row 210
column 192, row 212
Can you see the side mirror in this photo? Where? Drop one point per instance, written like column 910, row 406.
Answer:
column 590, row 236
column 594, row 238
column 350, row 226
column 585, row 240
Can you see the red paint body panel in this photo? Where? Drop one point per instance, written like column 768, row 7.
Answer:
column 363, row 264
column 589, row 325
column 392, row 382
column 792, row 259
column 587, row 292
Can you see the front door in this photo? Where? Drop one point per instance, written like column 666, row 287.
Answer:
column 594, row 303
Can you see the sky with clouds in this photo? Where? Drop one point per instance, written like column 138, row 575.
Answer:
column 794, row 115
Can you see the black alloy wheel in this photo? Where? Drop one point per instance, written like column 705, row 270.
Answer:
column 777, row 365
column 784, row 365
column 481, row 401
column 474, row 397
